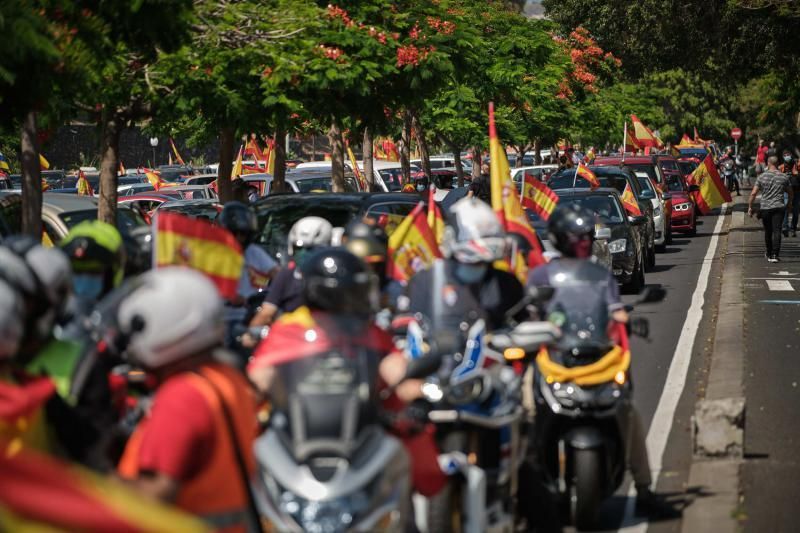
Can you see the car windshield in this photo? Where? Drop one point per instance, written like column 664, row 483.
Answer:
column 675, row 183
column 668, row 164
column 566, row 178
column 687, row 167
column 649, row 170
column 206, row 211
column 645, row 182
column 323, row 184
column 605, row 207
column 393, row 178
column 127, row 219
column 275, row 221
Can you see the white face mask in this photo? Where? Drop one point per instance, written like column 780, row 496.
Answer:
column 787, row 158
column 471, row 273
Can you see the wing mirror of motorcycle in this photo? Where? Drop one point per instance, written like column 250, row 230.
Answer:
column 423, row 366
column 652, row 294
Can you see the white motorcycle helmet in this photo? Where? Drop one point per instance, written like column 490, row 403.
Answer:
column 473, row 233
column 11, row 313
column 309, row 232
column 172, row 313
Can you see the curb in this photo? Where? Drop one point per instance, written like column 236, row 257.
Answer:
column 720, row 415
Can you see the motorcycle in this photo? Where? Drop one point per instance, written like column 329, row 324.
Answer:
column 326, row 463
column 729, row 174
column 474, row 399
column 583, row 423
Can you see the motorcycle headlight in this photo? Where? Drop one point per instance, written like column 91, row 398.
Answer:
column 617, row 246
column 324, row 516
column 466, row 392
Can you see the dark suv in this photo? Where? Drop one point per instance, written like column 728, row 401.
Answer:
column 617, row 178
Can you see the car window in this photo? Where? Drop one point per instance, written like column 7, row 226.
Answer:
column 314, row 184
column 649, row 170
column 206, row 211
column 675, row 183
column 566, row 179
column 127, row 219
column 645, row 182
column 390, row 215
column 605, row 207
column 669, row 164
column 393, row 178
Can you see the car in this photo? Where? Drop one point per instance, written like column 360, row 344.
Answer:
column 540, row 172
column 189, row 192
column 616, row 234
column 662, row 211
column 666, row 162
column 687, row 165
column 10, row 214
column 388, row 175
column 684, row 216
column 135, row 188
column 205, row 209
column 276, row 214
column 62, row 212
column 617, row 178
column 147, row 204
column 638, row 163
column 200, row 179
column 55, row 179
column 445, row 161
column 175, row 172
column 93, row 178
column 5, row 183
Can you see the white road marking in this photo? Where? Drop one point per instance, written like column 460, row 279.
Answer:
column 785, row 273
column 779, row 285
column 661, row 425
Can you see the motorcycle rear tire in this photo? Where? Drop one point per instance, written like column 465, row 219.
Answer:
column 586, row 496
column 444, row 509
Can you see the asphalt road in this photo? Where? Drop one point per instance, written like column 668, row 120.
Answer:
column 677, row 270
column 771, row 470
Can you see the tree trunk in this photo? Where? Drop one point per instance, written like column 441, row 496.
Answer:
column 224, row 189
column 337, row 156
column 537, row 151
column 367, row 156
column 405, row 148
column 109, row 164
column 459, row 165
column 476, row 162
column 31, row 178
column 279, row 177
column 423, row 145
column 520, row 157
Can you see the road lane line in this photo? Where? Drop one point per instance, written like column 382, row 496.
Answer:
column 779, row 285
column 661, row 426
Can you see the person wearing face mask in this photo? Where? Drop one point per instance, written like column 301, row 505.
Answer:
column 97, row 255
column 465, row 285
column 421, row 184
column 791, row 168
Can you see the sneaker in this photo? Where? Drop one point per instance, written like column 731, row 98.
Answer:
column 772, row 259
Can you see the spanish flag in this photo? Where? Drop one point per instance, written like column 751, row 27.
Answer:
column 629, row 202
column 505, row 202
column 41, row 493
column 237, row 165
column 378, row 151
column 584, row 172
column 155, row 180
column 713, row 192
column 44, row 164
column 435, row 219
column 271, row 159
column 412, row 246
column 643, row 136
column 83, row 185
column 538, row 197
column 252, row 149
column 356, row 171
column 178, row 157
column 201, row 245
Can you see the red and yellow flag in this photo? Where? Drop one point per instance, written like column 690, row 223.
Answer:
column 435, row 219
column 253, row 150
column 178, row 157
column 643, row 136
column 356, row 171
column 201, row 245
column 629, row 202
column 83, row 185
column 155, row 180
column 44, row 164
column 538, row 197
column 237, row 165
column 713, row 192
column 505, row 202
column 412, row 246
column 40, row 493
column 271, row 158
column 585, row 172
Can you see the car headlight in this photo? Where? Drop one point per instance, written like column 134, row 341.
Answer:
column 617, row 246
column 657, row 211
column 683, row 207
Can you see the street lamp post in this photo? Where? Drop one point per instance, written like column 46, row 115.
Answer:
column 154, row 143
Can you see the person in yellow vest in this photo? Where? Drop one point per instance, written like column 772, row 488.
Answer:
column 193, row 448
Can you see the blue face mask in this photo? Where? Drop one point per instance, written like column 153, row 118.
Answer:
column 470, row 273
column 420, row 188
column 87, row 286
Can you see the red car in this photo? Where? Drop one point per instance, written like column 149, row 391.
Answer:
column 684, row 216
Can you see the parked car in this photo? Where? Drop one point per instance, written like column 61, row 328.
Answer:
column 445, row 161
column 146, row 204
column 684, row 217
column 277, row 214
column 189, row 192
column 205, row 209
column 134, row 188
column 540, row 172
column 388, row 175
column 617, row 178
column 662, row 211
column 175, row 172
column 200, row 179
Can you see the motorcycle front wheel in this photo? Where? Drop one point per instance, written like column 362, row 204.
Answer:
column 585, row 497
column 445, row 513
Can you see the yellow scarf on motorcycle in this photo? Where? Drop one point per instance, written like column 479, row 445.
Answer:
column 601, row 371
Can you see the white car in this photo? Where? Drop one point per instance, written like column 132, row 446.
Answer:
column 445, row 161
column 388, row 175
column 537, row 170
column 661, row 225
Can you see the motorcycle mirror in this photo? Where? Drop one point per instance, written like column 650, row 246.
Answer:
column 652, row 295
column 423, row 366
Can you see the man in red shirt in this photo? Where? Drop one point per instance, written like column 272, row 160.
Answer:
column 761, row 157
column 194, row 446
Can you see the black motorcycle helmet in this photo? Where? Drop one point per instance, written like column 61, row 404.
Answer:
column 240, row 220
column 337, row 281
column 570, row 225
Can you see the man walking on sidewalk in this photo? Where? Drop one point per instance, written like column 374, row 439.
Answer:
column 772, row 184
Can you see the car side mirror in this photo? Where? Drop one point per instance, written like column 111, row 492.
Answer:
column 694, row 188
column 647, row 195
column 666, row 196
column 637, row 220
column 602, row 233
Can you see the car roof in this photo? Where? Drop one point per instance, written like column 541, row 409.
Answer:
column 617, row 160
column 364, row 198
column 191, row 201
column 188, row 187
column 379, row 164
column 600, row 191
column 146, row 196
column 61, row 202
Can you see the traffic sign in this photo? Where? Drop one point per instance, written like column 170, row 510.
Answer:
column 736, row 133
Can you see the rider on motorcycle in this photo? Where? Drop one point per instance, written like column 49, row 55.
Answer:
column 584, row 289
column 339, row 294
column 466, row 282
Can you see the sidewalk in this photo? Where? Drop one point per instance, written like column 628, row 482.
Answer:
column 770, row 475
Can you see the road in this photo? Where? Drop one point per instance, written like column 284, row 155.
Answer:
column 678, row 270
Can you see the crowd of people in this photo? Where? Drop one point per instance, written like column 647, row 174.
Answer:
column 152, row 379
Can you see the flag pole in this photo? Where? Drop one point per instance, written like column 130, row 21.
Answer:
column 575, row 177
column 624, row 139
